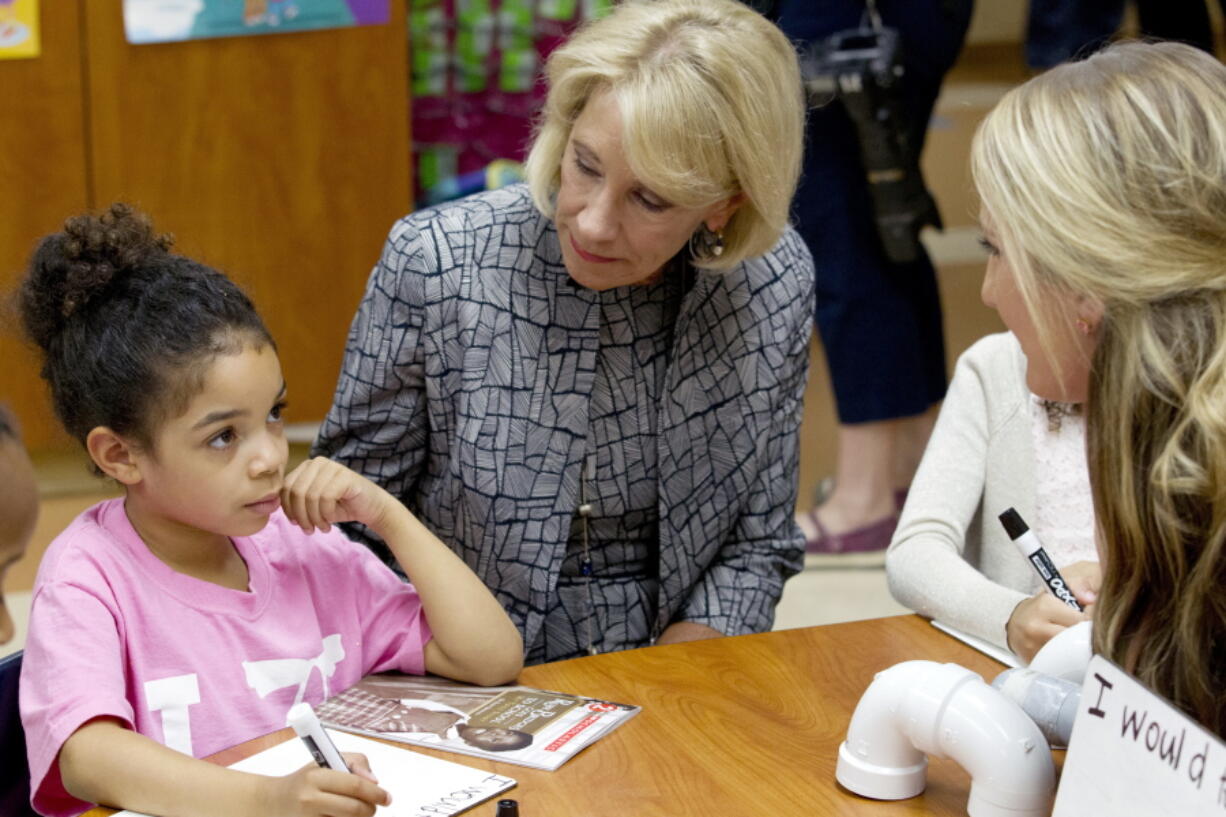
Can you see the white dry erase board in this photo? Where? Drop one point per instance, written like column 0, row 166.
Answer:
column 420, row 785
column 1133, row 753
column 986, row 647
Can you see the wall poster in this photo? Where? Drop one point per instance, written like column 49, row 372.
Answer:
column 18, row 29
column 159, row 21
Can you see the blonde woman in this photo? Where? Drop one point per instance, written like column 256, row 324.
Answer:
column 590, row 386
column 1103, row 185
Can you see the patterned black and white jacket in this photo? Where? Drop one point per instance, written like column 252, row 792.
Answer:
column 465, row 388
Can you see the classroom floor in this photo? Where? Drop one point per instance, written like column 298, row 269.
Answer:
column 831, row 588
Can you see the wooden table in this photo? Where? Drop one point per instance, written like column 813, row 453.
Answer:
column 731, row 727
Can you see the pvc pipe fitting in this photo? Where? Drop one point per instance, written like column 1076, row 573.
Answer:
column 1050, row 702
column 1067, row 655
column 920, row 708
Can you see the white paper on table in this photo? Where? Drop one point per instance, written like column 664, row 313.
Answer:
column 421, row 786
column 986, row 647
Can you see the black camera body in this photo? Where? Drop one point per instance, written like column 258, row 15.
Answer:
column 862, row 68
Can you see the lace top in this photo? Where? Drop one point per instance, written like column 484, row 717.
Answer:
column 1065, row 510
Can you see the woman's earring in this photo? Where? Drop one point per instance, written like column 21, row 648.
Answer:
column 1083, row 326
column 707, row 243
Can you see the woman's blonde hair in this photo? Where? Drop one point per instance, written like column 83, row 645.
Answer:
column 1107, row 179
column 711, row 105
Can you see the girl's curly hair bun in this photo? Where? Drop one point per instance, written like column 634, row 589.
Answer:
column 71, row 267
column 127, row 328
column 98, row 248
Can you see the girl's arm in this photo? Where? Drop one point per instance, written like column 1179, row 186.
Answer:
column 926, row 565
column 106, row 763
column 473, row 638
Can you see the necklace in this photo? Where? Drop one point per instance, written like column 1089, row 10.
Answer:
column 1057, row 411
column 586, row 475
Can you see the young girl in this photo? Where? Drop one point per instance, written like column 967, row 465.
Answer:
column 190, row 614
column 1103, row 185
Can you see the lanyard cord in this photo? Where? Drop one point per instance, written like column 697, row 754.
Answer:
column 587, row 474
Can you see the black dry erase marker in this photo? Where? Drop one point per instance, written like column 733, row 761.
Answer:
column 508, row 808
column 1032, row 549
column 307, row 726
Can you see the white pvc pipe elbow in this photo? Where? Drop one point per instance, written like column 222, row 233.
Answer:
column 920, row 708
column 1067, row 655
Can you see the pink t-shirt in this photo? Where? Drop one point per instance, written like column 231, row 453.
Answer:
column 196, row 666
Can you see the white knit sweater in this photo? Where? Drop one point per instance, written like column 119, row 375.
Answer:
column 950, row 558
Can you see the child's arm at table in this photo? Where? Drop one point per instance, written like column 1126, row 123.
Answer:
column 104, row 762
column 473, row 638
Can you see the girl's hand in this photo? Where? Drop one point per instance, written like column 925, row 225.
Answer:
column 1036, row 621
column 320, row 493
column 1084, row 579
column 313, row 791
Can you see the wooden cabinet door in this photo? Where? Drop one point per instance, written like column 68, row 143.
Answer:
column 43, row 179
column 280, row 159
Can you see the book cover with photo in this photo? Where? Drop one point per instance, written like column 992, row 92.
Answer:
column 515, row 724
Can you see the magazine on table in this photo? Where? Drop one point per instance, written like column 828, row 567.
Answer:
column 515, row 724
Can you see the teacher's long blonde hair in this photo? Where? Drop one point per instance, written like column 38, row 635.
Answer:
column 1106, row 179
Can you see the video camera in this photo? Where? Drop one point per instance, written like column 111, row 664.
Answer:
column 862, row 68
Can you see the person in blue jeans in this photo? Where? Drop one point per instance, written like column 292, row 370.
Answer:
column 1062, row 30
column 880, row 321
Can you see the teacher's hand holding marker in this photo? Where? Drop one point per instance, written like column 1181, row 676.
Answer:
column 1064, row 601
